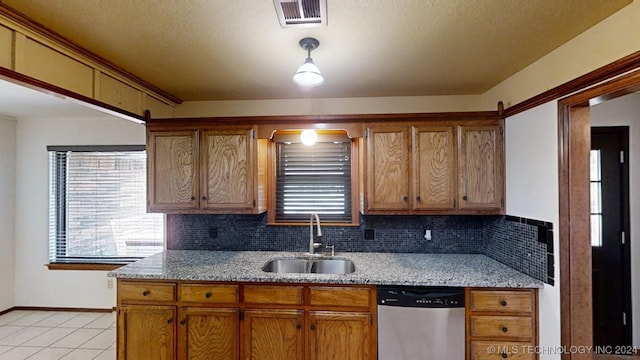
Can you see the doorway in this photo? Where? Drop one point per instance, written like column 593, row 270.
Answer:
column 610, row 245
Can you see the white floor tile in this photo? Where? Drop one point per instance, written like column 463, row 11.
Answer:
column 105, row 321
column 12, row 316
column 107, row 355
column 49, row 337
column 19, row 353
column 4, row 349
column 82, row 354
column 32, row 318
column 77, row 338
column 57, row 319
column 102, row 341
column 81, row 320
column 7, row 330
column 50, row 354
column 23, row 335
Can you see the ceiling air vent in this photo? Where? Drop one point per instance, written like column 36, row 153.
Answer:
column 301, row 13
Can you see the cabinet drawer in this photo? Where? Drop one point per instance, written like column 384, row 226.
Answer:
column 485, row 350
column 502, row 326
column 202, row 293
column 141, row 291
column 284, row 295
column 501, row 301
column 340, row 296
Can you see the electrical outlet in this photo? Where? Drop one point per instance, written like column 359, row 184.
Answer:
column 109, row 283
column 369, row 234
column 213, row 232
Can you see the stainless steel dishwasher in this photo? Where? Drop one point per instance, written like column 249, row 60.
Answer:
column 421, row 323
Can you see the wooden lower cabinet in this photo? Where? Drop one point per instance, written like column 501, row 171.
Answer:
column 273, row 335
column 206, row 333
column 502, row 324
column 340, row 335
column 146, row 332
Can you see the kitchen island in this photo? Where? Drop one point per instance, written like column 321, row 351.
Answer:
column 191, row 305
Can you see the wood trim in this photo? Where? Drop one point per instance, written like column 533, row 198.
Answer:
column 39, row 85
column 575, row 251
column 49, row 34
column 83, row 266
column 607, row 72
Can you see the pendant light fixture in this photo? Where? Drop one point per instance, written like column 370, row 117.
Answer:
column 308, row 73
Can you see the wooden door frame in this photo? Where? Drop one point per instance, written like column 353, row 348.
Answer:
column 574, row 144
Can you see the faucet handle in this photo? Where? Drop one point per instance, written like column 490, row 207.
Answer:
column 333, row 249
column 317, row 245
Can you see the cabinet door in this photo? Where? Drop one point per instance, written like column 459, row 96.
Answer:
column 481, row 167
column 227, row 169
column 172, row 170
column 340, row 335
column 273, row 335
column 434, row 168
column 146, row 332
column 209, row 334
column 388, row 168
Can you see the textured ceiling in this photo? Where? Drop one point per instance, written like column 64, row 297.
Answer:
column 222, row 49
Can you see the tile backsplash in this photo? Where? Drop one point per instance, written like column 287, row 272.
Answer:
column 501, row 238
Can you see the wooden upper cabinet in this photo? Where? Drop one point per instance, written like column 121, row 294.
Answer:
column 481, row 167
column 206, row 170
column 172, row 170
column 434, row 167
column 227, row 169
column 387, row 168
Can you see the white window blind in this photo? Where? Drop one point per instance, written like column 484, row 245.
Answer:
column 313, row 179
column 97, row 205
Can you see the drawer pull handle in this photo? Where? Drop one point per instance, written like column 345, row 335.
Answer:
column 207, row 295
column 504, row 355
column 504, row 329
column 146, row 293
column 170, row 321
column 503, row 303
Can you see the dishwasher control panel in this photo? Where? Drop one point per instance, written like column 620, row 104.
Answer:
column 421, row 297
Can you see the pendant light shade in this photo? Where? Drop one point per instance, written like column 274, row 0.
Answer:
column 308, row 73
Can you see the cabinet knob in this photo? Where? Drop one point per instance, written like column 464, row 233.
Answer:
column 193, row 198
column 405, row 198
column 418, row 198
column 170, row 321
column 503, row 303
column 146, row 293
column 313, row 327
column 207, row 295
column 465, row 198
column 504, row 329
column 204, row 198
column 183, row 321
column 299, row 326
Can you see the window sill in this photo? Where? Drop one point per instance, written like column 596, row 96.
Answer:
column 83, row 266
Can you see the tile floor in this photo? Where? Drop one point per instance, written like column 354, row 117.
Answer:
column 57, row 335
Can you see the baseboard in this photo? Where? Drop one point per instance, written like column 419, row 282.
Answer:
column 46, row 308
column 7, row 310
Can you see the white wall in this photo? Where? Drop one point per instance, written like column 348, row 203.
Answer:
column 531, row 148
column 7, row 202
column 362, row 105
column 625, row 111
column 613, row 38
column 35, row 285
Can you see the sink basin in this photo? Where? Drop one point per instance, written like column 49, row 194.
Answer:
column 313, row 266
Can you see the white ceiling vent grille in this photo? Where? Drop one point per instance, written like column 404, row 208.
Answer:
column 301, row 13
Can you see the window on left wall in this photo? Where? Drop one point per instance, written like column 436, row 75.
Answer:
column 97, row 206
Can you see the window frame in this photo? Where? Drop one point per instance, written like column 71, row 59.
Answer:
column 91, row 263
column 356, row 172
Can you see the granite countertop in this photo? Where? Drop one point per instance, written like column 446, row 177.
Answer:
column 371, row 268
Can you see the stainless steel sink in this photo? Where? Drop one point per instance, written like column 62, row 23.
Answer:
column 313, row 266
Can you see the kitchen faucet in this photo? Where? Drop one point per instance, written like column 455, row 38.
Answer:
column 312, row 244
